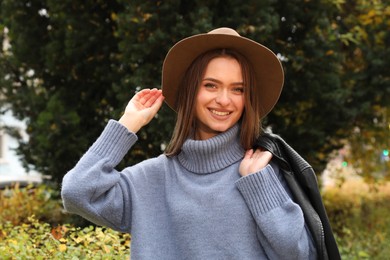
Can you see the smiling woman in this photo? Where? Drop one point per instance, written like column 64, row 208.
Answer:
column 223, row 63
column 210, row 195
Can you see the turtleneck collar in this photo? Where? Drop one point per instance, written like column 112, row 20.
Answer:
column 213, row 154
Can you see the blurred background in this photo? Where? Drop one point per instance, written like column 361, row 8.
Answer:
column 67, row 67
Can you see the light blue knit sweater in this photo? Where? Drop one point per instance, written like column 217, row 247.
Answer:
column 192, row 206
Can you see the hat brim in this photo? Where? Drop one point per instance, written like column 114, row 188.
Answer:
column 267, row 67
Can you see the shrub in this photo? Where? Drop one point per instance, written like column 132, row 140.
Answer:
column 358, row 213
column 32, row 227
column 43, row 201
column 36, row 240
column 17, row 204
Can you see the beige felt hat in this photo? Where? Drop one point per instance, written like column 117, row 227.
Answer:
column 267, row 67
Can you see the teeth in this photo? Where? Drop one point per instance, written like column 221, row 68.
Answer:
column 220, row 113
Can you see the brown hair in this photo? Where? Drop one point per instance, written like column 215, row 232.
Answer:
column 188, row 89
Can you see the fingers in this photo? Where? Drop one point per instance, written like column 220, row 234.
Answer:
column 141, row 109
column 149, row 101
column 248, row 154
column 254, row 161
column 260, row 154
column 157, row 104
column 251, row 154
column 147, row 97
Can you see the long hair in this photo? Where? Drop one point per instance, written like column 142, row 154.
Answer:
column 188, row 90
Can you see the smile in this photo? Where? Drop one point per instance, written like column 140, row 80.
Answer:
column 219, row 113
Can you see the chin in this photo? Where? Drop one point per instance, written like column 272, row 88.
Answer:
column 221, row 129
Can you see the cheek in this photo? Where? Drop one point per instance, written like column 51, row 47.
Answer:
column 202, row 98
column 199, row 100
column 240, row 104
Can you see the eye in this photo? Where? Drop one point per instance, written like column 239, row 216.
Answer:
column 210, row 85
column 238, row 89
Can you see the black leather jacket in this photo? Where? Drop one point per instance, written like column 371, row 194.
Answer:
column 303, row 184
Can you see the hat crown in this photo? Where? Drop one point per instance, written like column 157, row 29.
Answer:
column 224, row 30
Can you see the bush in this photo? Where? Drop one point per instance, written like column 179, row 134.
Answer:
column 32, row 227
column 43, row 201
column 358, row 214
column 359, row 217
column 35, row 240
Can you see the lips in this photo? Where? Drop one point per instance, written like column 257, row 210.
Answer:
column 220, row 113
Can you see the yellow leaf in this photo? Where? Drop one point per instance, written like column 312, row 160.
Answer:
column 62, row 247
column 378, row 20
column 329, row 52
column 114, row 17
column 147, row 16
column 77, row 239
column 371, row 13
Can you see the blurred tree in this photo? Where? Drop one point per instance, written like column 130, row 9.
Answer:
column 365, row 33
column 369, row 147
column 59, row 75
column 73, row 65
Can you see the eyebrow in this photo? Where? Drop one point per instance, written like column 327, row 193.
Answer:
column 220, row 82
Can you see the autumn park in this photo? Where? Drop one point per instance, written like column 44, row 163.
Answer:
column 68, row 67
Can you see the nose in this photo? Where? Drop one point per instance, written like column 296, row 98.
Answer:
column 222, row 98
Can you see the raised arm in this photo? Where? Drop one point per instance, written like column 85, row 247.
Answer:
column 93, row 188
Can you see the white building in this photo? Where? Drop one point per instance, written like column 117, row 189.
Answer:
column 11, row 168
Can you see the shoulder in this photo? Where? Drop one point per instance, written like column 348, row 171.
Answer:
column 267, row 137
column 156, row 166
column 280, row 148
column 156, row 163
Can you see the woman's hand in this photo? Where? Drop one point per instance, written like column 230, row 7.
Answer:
column 141, row 109
column 254, row 161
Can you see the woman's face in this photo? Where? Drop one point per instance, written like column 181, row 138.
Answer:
column 220, row 99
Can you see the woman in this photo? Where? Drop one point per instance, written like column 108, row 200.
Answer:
column 209, row 196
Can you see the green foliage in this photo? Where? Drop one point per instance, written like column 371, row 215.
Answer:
column 36, row 240
column 37, row 201
column 311, row 107
column 357, row 211
column 59, row 77
column 358, row 215
column 366, row 66
column 367, row 145
column 74, row 65
column 43, row 202
column 38, row 230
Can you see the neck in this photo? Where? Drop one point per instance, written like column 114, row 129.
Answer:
column 212, row 154
column 202, row 135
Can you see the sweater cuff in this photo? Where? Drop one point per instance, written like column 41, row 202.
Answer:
column 262, row 191
column 114, row 142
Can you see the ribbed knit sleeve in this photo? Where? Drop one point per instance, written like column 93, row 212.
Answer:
column 114, row 142
column 262, row 191
column 280, row 221
column 94, row 189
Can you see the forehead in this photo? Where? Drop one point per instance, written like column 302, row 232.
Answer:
column 226, row 66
